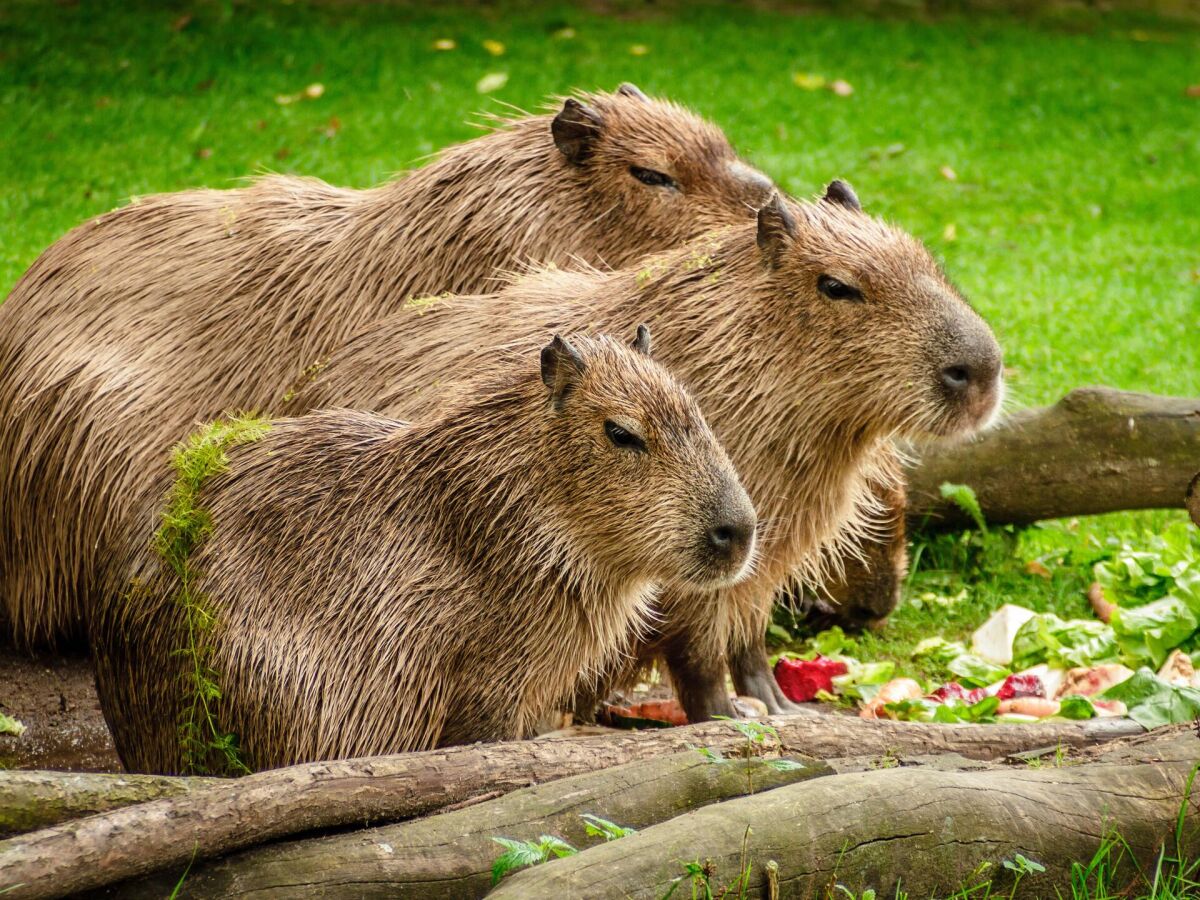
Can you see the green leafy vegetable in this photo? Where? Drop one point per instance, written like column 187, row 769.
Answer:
column 1147, row 634
column 863, row 680
column 975, row 671
column 1063, row 644
column 1153, row 702
column 1076, row 708
column 949, row 712
column 9, row 725
column 1162, row 564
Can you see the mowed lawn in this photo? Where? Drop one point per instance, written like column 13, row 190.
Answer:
column 1053, row 164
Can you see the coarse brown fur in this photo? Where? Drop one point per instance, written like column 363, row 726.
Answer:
column 805, row 392
column 381, row 587
column 183, row 306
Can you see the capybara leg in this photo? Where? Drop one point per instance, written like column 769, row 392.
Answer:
column 752, row 676
column 699, row 685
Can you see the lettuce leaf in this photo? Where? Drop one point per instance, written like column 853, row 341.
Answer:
column 1062, row 643
column 1148, row 633
column 864, row 680
column 1153, row 702
column 1076, row 707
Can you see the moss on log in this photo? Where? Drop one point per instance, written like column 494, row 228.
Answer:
column 30, row 800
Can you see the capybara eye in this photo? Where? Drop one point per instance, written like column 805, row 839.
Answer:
column 622, row 438
column 837, row 290
column 652, row 178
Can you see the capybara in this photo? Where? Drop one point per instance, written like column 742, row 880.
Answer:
column 379, row 587
column 181, row 307
column 811, row 340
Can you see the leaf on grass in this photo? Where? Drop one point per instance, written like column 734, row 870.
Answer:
column 808, row 81
column 492, row 81
column 444, row 44
column 948, row 173
column 639, row 50
column 493, row 47
column 1038, row 568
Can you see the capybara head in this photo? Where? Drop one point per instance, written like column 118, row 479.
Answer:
column 663, row 172
column 645, row 486
column 885, row 327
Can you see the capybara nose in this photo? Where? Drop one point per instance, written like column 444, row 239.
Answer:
column 727, row 538
column 957, row 378
column 731, row 539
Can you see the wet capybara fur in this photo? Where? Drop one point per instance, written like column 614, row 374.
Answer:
column 380, row 587
column 182, row 307
column 811, row 339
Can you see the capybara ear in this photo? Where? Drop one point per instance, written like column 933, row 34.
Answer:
column 576, row 129
column 776, row 228
column 627, row 89
column 562, row 367
column 641, row 340
column 842, row 194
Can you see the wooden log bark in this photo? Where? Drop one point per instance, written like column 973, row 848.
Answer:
column 230, row 815
column 1192, row 501
column 926, row 831
column 1097, row 450
column 450, row 855
column 30, row 800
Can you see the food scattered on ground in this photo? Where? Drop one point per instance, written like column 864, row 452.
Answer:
column 993, row 640
column 647, row 714
column 898, row 690
column 802, row 679
column 1139, row 657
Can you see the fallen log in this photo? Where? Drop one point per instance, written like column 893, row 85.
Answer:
column 30, row 800
column 1097, row 450
column 230, row 815
column 451, row 855
column 931, row 833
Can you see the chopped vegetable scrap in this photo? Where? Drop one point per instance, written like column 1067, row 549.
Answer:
column 802, row 679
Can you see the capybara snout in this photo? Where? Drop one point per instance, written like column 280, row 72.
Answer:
column 726, row 550
column 662, row 496
column 969, row 373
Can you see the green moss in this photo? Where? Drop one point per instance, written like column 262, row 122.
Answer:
column 207, row 748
